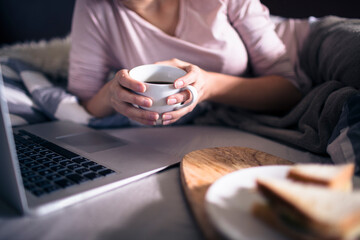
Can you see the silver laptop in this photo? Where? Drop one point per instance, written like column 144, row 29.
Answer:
column 48, row 166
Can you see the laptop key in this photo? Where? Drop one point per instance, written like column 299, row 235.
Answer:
column 38, row 157
column 77, row 178
column 50, row 164
column 28, row 174
column 24, row 169
column 89, row 164
column 26, row 160
column 97, row 168
column 45, row 152
column 54, row 176
column 58, row 158
column 53, row 155
column 66, row 162
column 82, row 170
column 64, row 183
column 38, row 168
column 81, row 160
column 57, row 168
column 43, row 183
column 32, row 164
column 29, row 186
column 35, row 147
column 106, row 172
column 32, row 154
column 43, row 160
column 92, row 175
column 46, row 172
column 38, row 192
column 65, row 172
column 74, row 166
column 35, row 178
column 51, row 188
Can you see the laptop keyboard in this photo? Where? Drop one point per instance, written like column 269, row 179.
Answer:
column 46, row 167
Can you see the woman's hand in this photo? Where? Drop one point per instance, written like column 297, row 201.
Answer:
column 119, row 95
column 196, row 77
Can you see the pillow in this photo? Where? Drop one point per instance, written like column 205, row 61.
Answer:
column 50, row 57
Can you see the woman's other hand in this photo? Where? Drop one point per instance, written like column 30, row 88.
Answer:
column 195, row 77
column 119, row 95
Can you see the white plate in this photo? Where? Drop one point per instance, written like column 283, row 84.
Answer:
column 229, row 200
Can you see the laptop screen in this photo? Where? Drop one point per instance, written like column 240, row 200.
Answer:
column 11, row 188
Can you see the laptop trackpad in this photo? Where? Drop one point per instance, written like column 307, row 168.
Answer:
column 91, row 142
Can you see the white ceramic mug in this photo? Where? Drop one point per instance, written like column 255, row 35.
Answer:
column 159, row 80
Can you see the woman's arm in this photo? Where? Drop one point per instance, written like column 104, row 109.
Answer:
column 265, row 94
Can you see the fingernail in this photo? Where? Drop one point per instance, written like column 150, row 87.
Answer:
column 153, row 116
column 141, row 88
column 166, row 117
column 179, row 84
column 171, row 101
column 147, row 103
column 156, row 116
column 166, row 122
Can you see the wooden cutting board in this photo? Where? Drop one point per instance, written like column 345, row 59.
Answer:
column 199, row 169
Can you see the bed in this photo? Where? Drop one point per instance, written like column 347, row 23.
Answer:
column 37, row 40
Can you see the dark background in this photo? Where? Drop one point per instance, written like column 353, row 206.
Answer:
column 316, row 8
column 25, row 20
column 29, row 20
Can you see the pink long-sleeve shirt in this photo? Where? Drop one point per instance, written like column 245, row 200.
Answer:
column 226, row 36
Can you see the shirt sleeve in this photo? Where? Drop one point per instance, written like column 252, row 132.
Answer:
column 89, row 55
column 267, row 53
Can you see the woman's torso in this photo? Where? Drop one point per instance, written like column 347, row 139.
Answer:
column 203, row 37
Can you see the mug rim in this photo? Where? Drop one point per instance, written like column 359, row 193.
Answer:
column 157, row 66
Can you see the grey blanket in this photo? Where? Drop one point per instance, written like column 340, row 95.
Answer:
column 331, row 59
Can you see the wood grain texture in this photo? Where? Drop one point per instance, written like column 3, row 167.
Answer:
column 199, row 169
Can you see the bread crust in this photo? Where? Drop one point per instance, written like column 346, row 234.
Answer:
column 342, row 180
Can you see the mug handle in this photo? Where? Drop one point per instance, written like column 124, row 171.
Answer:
column 194, row 94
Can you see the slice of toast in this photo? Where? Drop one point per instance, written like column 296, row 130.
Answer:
column 319, row 213
column 331, row 176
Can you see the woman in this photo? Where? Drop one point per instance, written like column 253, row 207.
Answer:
column 217, row 42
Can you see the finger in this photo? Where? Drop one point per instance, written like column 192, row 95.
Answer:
column 171, row 117
column 124, row 79
column 168, row 122
column 189, row 78
column 124, row 95
column 132, row 112
column 180, row 97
